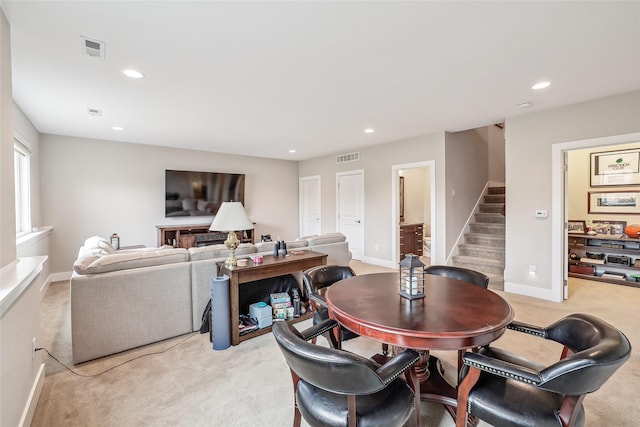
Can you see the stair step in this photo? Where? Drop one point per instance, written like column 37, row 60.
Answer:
column 479, row 251
column 492, row 217
column 491, row 207
column 483, row 247
column 494, row 198
column 484, row 240
column 487, row 228
column 483, row 265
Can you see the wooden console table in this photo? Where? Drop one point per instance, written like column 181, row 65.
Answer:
column 270, row 267
column 190, row 235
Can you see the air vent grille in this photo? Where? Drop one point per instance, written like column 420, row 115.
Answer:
column 94, row 111
column 351, row 157
column 93, row 48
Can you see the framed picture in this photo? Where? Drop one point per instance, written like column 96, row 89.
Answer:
column 577, row 227
column 615, row 168
column 611, row 228
column 614, row 202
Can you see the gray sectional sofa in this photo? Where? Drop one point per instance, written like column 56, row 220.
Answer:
column 122, row 299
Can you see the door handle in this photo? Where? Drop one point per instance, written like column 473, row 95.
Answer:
column 358, row 221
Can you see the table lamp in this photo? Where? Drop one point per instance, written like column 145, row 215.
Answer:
column 231, row 217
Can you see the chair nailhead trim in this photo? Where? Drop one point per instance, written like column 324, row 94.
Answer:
column 401, row 371
column 526, row 330
column 320, row 332
column 501, row 373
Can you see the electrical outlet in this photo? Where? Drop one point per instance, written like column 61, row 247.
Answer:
column 532, row 269
column 33, row 348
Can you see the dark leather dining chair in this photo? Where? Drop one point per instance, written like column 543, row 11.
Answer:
column 506, row 389
column 465, row 274
column 459, row 273
column 334, row 387
column 316, row 282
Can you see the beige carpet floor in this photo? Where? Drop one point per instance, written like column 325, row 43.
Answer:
column 184, row 382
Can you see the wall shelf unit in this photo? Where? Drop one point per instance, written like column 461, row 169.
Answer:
column 614, row 258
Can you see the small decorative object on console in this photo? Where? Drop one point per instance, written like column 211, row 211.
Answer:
column 281, row 303
column 296, row 303
column 261, row 312
column 412, row 272
column 115, row 241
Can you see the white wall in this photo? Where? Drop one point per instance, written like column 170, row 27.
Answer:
column 91, row 187
column 21, row 376
column 467, row 175
column 377, row 162
column 529, row 139
column 7, row 200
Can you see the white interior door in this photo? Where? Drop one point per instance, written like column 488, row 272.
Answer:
column 350, row 210
column 310, row 206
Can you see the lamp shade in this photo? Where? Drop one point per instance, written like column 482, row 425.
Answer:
column 231, row 217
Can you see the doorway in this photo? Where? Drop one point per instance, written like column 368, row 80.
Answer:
column 310, row 206
column 559, row 205
column 401, row 202
column 350, row 209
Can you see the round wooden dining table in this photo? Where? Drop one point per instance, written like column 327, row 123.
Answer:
column 453, row 315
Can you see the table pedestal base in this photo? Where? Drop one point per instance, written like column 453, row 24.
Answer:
column 433, row 386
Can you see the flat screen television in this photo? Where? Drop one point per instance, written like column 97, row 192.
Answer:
column 191, row 193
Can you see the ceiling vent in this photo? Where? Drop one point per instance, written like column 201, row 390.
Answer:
column 93, row 48
column 94, row 111
column 351, row 157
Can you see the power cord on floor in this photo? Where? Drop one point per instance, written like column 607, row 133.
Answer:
column 119, row 364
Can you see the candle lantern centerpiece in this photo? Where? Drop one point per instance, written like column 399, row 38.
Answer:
column 412, row 272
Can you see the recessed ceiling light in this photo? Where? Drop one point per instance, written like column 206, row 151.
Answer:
column 369, row 130
column 117, row 128
column 292, row 151
column 525, row 104
column 540, row 85
column 134, row 74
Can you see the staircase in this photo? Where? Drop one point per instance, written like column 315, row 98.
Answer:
column 483, row 246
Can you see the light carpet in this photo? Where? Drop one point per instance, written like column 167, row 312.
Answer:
column 184, row 382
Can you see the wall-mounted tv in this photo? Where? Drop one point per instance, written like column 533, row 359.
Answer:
column 191, row 193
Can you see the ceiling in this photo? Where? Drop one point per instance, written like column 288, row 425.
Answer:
column 262, row 78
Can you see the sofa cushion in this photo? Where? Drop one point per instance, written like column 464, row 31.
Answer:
column 326, row 239
column 267, row 247
column 99, row 243
column 219, row 251
column 94, row 263
column 297, row 244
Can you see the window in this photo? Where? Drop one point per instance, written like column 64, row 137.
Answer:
column 21, row 156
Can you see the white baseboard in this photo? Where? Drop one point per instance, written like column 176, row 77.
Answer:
column 59, row 277
column 530, row 291
column 32, row 402
column 380, row 262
